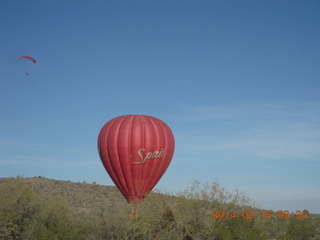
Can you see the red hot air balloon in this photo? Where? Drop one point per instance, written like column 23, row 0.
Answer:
column 135, row 150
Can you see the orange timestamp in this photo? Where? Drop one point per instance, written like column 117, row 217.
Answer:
column 262, row 214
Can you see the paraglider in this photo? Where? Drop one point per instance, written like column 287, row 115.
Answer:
column 135, row 150
column 27, row 57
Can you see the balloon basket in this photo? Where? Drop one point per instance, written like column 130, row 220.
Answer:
column 133, row 214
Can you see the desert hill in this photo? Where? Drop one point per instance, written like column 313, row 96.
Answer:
column 40, row 208
column 82, row 197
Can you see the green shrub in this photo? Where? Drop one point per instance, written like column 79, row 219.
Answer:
column 18, row 206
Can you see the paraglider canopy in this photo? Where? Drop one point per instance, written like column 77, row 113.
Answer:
column 27, row 57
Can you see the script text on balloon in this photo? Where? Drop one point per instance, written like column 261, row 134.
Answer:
column 149, row 155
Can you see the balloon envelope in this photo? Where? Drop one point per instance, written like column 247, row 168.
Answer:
column 135, row 150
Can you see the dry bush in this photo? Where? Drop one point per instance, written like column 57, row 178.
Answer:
column 188, row 215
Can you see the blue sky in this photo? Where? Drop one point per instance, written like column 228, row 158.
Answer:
column 237, row 82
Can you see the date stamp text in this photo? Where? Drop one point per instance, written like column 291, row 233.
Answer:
column 262, row 214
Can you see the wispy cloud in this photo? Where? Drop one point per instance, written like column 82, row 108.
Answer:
column 258, row 131
column 40, row 147
column 18, row 161
column 289, row 192
column 250, row 111
column 48, row 162
column 276, row 142
column 26, row 145
column 42, row 154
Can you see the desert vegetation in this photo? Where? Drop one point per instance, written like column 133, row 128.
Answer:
column 40, row 208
